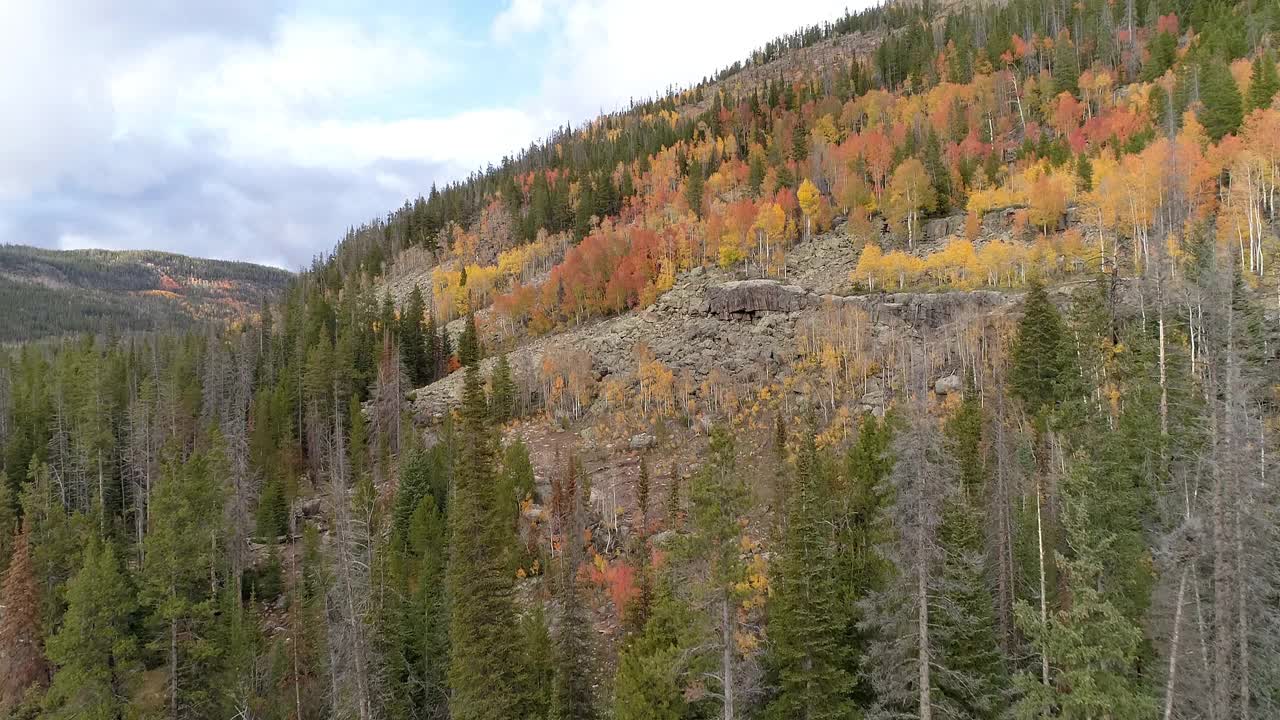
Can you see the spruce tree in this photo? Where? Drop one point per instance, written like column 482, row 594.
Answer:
column 693, row 187
column 1095, row 651
column 537, row 672
column 416, row 628
column 1264, row 82
column 431, row 349
column 181, row 558
column 1042, row 361
column 503, row 400
column 1223, row 108
column 412, row 345
column 804, row 611
column 1066, row 67
column 22, row 664
column 718, row 499
column 94, row 650
column 860, row 528
column 572, row 697
column 470, row 351
column 484, row 648
column 649, row 681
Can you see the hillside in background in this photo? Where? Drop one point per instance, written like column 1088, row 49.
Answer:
column 48, row 293
column 921, row 365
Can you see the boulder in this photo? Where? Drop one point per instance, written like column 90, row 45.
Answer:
column 641, row 441
column 947, row 385
column 748, row 298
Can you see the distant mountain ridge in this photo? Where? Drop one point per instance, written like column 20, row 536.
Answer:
column 49, row 293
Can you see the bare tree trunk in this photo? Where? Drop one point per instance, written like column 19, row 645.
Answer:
column 1171, row 682
column 922, row 619
column 726, row 624
column 1044, row 601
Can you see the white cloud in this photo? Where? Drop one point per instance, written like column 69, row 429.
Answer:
column 605, row 52
column 521, row 16
column 247, row 128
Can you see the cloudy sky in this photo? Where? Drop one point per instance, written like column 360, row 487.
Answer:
column 260, row 129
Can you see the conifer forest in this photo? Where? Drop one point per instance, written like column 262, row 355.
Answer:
column 922, row 364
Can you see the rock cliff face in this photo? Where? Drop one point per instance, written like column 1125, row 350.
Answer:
column 744, row 330
column 747, row 299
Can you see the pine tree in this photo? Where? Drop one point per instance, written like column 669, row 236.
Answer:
column 94, row 649
column 718, row 497
column 693, row 187
column 804, row 616
column 431, row 349
column 1264, row 82
column 637, row 613
column 537, row 671
column 22, row 664
column 572, row 697
column 648, row 684
column 417, row 627
column 1095, row 651
column 484, row 650
column 503, row 400
column 273, row 511
column 412, row 345
column 1041, row 373
column 178, row 577
column 8, row 520
column 470, row 352
column 755, row 178
column 1223, row 108
column 860, row 529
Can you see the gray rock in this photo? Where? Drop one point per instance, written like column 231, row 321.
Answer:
column 947, row 385
column 641, row 441
column 747, row 298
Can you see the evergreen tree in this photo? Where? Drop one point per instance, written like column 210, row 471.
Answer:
column 470, row 352
column 273, row 510
column 693, row 187
column 417, row 627
column 860, row 528
column 804, row 616
column 181, row 561
column 718, row 498
column 755, row 177
column 503, row 399
column 22, row 664
column 1084, row 172
column 1094, row 650
column 1264, row 81
column 1223, row 108
column 94, row 650
column 8, row 520
column 1066, row 67
column 648, row 684
column 484, row 649
column 537, row 671
column 446, row 351
column 972, row 681
column 431, row 349
column 1041, row 373
column 572, row 697
column 638, row 611
column 412, row 345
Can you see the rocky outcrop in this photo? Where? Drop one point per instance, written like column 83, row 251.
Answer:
column 746, row 299
column 943, row 227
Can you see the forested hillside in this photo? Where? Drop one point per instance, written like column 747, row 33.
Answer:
column 53, row 293
column 921, row 365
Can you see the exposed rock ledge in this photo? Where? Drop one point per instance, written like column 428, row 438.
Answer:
column 748, row 299
column 742, row 299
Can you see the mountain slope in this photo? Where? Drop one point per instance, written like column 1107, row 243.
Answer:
column 56, row 292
